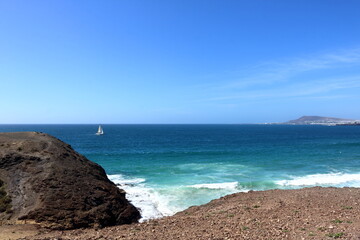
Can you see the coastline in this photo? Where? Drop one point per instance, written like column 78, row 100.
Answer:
column 203, row 222
column 153, row 205
column 308, row 213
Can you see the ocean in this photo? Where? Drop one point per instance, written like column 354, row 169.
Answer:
column 168, row 168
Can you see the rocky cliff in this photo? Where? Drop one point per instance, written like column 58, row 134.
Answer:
column 43, row 179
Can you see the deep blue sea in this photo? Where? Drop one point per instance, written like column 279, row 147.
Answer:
column 167, row 168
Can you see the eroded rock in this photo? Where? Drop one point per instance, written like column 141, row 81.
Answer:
column 50, row 183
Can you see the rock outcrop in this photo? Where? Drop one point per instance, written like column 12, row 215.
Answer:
column 46, row 181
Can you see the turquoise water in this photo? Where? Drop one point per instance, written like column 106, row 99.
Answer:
column 167, row 168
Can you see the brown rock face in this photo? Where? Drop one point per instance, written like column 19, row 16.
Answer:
column 52, row 184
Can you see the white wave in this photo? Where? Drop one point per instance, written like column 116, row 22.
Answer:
column 119, row 179
column 226, row 185
column 333, row 179
column 159, row 201
column 150, row 204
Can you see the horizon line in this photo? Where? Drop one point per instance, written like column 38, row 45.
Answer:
column 133, row 123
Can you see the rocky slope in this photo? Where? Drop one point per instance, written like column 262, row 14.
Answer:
column 310, row 213
column 46, row 181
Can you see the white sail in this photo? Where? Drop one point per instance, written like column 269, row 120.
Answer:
column 100, row 131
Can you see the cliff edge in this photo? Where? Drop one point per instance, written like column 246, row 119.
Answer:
column 44, row 180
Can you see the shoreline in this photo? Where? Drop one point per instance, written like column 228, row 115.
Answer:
column 153, row 205
column 308, row 213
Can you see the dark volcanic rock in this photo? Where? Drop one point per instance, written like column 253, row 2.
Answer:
column 50, row 183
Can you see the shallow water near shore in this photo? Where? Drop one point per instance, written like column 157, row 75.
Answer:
column 167, row 168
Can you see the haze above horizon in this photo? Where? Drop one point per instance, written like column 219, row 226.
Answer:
column 206, row 61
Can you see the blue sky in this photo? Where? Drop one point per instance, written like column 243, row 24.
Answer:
column 141, row 61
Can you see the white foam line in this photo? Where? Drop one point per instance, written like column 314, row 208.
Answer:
column 226, row 185
column 142, row 197
column 322, row 179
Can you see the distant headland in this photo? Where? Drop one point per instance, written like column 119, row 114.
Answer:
column 317, row 120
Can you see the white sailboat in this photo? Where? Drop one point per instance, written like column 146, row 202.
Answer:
column 100, row 131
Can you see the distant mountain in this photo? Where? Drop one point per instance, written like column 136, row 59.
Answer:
column 306, row 120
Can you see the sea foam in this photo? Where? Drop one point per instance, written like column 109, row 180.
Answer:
column 226, row 185
column 156, row 202
column 150, row 204
column 328, row 179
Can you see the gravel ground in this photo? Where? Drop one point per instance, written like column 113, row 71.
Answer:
column 310, row 213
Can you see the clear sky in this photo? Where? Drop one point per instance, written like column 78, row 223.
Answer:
column 178, row 61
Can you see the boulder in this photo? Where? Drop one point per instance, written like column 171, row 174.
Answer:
column 44, row 180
